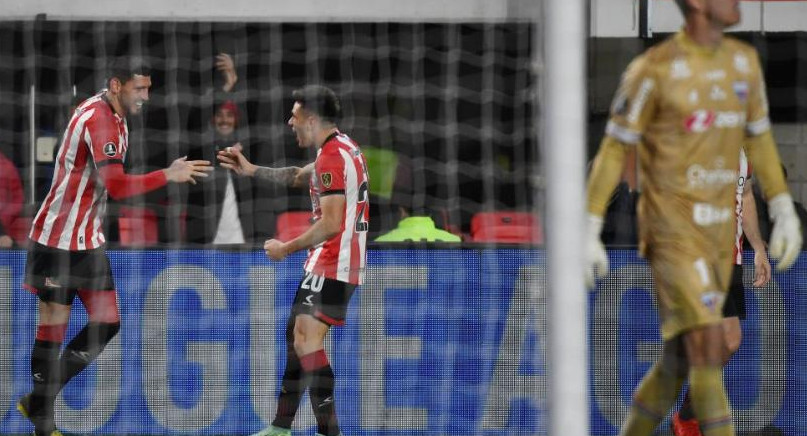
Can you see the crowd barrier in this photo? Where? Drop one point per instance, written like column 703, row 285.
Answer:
column 437, row 342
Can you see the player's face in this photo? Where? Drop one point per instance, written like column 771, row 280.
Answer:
column 302, row 125
column 135, row 93
column 724, row 12
column 224, row 121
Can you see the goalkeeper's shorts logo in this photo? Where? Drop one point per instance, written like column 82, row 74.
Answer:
column 110, row 149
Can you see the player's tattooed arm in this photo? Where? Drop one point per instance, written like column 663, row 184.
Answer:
column 283, row 176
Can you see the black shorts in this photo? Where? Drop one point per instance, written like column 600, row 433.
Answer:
column 735, row 300
column 56, row 275
column 323, row 298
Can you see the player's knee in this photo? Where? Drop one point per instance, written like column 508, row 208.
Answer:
column 105, row 332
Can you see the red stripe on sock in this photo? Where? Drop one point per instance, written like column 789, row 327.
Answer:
column 314, row 361
column 51, row 333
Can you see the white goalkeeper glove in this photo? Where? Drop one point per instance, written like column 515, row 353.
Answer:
column 596, row 258
column 785, row 244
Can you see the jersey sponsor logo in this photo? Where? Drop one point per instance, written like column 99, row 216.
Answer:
column 700, row 177
column 110, row 149
column 717, row 93
column 741, row 63
column 699, row 121
column 715, row 75
column 740, row 88
column 705, row 214
column 679, row 69
column 703, row 119
column 326, row 179
column 641, row 99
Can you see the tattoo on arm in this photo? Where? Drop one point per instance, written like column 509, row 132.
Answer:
column 283, row 176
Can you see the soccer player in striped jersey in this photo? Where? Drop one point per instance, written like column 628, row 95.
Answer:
column 66, row 257
column 336, row 245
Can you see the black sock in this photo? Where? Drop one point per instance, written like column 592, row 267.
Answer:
column 294, row 383
column 322, row 401
column 85, row 348
column 686, row 407
column 45, row 375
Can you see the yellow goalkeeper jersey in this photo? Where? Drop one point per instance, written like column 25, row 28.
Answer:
column 690, row 110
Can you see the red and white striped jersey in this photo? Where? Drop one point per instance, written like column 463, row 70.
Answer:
column 71, row 216
column 744, row 175
column 340, row 169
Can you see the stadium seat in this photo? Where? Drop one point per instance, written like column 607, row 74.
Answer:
column 507, row 227
column 137, row 226
column 289, row 225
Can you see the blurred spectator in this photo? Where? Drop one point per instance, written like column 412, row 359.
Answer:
column 220, row 208
column 415, row 222
column 11, row 202
column 417, row 228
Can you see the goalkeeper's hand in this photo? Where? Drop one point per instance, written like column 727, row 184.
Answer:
column 596, row 258
column 786, row 238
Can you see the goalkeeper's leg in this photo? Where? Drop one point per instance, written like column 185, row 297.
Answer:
column 657, row 391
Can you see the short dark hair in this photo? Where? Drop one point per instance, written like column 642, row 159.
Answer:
column 319, row 100
column 124, row 68
column 683, row 5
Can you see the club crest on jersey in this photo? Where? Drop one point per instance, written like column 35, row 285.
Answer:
column 740, row 90
column 110, row 149
column 326, row 179
column 712, row 300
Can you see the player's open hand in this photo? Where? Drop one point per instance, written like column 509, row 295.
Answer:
column 232, row 159
column 225, row 64
column 762, row 268
column 275, row 250
column 183, row 170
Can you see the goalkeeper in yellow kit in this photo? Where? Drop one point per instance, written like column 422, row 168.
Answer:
column 689, row 104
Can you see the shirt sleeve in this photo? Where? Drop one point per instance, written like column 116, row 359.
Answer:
column 103, row 138
column 634, row 103
column 757, row 108
column 330, row 172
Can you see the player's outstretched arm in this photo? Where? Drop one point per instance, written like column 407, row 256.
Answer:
column 786, row 237
column 233, row 159
column 120, row 185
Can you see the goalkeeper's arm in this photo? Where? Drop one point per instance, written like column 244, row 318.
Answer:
column 786, row 237
column 605, row 175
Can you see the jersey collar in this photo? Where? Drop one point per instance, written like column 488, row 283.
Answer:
column 690, row 46
column 331, row 136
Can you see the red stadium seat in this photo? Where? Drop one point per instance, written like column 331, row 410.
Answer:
column 507, row 227
column 289, row 225
column 137, row 226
